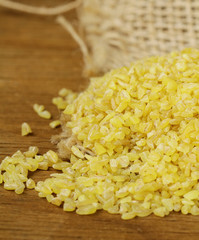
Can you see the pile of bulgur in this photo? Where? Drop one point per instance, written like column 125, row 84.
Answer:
column 132, row 138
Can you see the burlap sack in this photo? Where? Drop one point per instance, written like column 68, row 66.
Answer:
column 118, row 32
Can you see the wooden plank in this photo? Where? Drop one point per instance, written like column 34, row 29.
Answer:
column 37, row 58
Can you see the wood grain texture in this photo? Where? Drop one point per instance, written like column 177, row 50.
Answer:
column 37, row 58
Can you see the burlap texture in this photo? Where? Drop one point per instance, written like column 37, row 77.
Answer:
column 118, row 32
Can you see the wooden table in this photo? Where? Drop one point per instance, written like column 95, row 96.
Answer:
column 37, row 58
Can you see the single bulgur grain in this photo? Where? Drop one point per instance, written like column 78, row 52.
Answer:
column 45, row 114
column 30, row 184
column 77, row 152
column 25, row 129
column 52, row 156
column 40, row 110
column 55, row 123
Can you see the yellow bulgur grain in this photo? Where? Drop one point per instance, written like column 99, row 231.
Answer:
column 40, row 110
column 56, row 201
column 194, row 194
column 45, row 114
column 32, row 151
column 77, row 152
column 25, row 129
column 30, row 184
column 59, row 102
column 99, row 149
column 52, row 156
column 69, row 206
column 55, row 123
column 85, row 210
column 64, row 92
column 20, row 189
column 69, row 109
column 43, row 166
